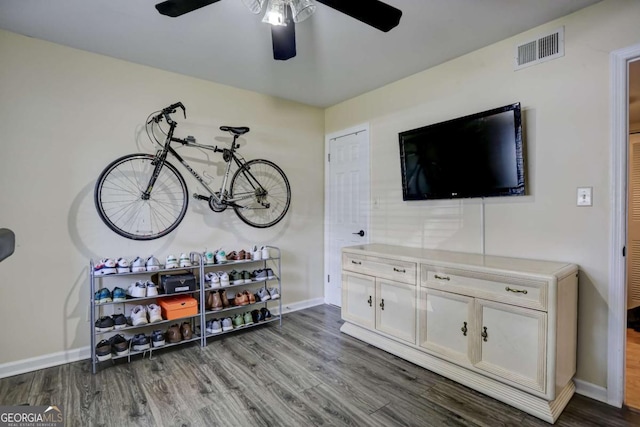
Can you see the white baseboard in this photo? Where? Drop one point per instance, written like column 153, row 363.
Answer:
column 46, row 361
column 590, row 390
column 300, row 305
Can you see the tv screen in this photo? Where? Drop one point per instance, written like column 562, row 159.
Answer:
column 480, row 155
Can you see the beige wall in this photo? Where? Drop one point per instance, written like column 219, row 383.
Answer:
column 566, row 111
column 65, row 114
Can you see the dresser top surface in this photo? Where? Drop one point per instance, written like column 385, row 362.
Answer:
column 451, row 258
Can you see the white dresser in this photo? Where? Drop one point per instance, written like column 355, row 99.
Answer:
column 506, row 327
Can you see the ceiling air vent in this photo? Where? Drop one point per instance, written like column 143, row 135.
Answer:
column 541, row 49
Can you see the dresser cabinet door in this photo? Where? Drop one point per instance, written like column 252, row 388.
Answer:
column 511, row 343
column 396, row 309
column 446, row 324
column 358, row 299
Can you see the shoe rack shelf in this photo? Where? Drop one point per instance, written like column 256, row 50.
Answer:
column 198, row 321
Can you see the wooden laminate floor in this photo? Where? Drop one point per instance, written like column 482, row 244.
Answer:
column 305, row 374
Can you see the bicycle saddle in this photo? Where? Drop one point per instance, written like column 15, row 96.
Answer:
column 235, row 131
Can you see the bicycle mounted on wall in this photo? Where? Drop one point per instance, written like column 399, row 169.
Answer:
column 144, row 197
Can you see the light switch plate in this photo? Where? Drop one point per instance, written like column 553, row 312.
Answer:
column 585, row 195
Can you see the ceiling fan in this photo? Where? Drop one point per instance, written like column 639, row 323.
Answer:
column 284, row 14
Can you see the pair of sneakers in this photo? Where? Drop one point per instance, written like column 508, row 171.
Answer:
column 143, row 314
column 184, row 262
column 260, row 253
column 214, row 326
column 139, row 265
column 217, row 279
column 264, row 274
column 265, row 294
column 104, row 295
column 142, row 289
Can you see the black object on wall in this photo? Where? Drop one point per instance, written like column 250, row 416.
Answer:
column 7, row 243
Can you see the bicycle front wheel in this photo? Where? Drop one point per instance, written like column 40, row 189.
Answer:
column 123, row 208
column 260, row 193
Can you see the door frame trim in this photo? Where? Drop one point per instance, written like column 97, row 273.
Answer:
column 363, row 127
column 619, row 113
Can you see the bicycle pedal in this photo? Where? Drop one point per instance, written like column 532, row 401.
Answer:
column 200, row 197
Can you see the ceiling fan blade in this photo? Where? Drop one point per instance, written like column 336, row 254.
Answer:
column 175, row 8
column 283, row 38
column 373, row 12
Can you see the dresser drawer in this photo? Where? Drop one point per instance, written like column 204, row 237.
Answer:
column 400, row 271
column 494, row 287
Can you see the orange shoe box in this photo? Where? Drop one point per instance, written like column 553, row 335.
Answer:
column 178, row 306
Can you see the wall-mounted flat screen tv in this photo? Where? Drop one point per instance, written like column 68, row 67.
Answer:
column 480, row 155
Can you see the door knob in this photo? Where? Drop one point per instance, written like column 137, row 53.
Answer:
column 360, row 233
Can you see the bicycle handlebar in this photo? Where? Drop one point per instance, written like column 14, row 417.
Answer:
column 172, row 109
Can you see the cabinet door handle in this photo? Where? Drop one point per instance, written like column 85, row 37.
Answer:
column 464, row 329
column 399, row 270
column 370, row 301
column 442, row 277
column 382, row 304
column 484, row 334
column 517, row 291
column 356, row 262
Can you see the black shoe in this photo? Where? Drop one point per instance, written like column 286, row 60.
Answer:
column 103, row 351
column 119, row 321
column 266, row 314
column 256, row 316
column 157, row 338
column 140, row 342
column 119, row 345
column 104, row 324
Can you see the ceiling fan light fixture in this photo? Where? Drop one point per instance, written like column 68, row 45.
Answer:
column 301, row 9
column 275, row 13
column 254, row 6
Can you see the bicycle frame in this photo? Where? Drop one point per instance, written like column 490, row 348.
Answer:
column 161, row 157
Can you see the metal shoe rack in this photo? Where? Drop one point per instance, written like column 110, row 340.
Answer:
column 123, row 280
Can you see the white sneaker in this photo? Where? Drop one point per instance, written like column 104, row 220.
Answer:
column 105, row 266
column 256, row 254
column 213, row 279
column 221, row 256
column 184, row 260
column 265, row 252
column 274, row 293
column 153, row 264
column 155, row 313
column 152, row 289
column 139, row 315
column 224, row 279
column 137, row 265
column 172, row 262
column 209, row 258
column 138, row 289
column 122, row 265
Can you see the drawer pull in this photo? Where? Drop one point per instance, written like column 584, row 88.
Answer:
column 399, row 270
column 356, row 262
column 382, row 304
column 370, row 301
column 464, row 329
column 517, row 291
column 484, row 334
column 442, row 277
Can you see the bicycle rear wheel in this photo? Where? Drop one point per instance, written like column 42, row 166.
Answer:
column 120, row 203
column 261, row 192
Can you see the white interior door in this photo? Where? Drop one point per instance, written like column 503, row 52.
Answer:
column 346, row 200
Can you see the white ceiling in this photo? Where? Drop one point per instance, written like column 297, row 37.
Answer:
column 338, row 56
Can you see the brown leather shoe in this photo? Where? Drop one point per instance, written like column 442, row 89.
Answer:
column 241, row 299
column 173, row 334
column 223, row 298
column 242, row 255
column 216, row 302
column 232, row 256
column 186, row 331
column 250, row 297
column 208, row 300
